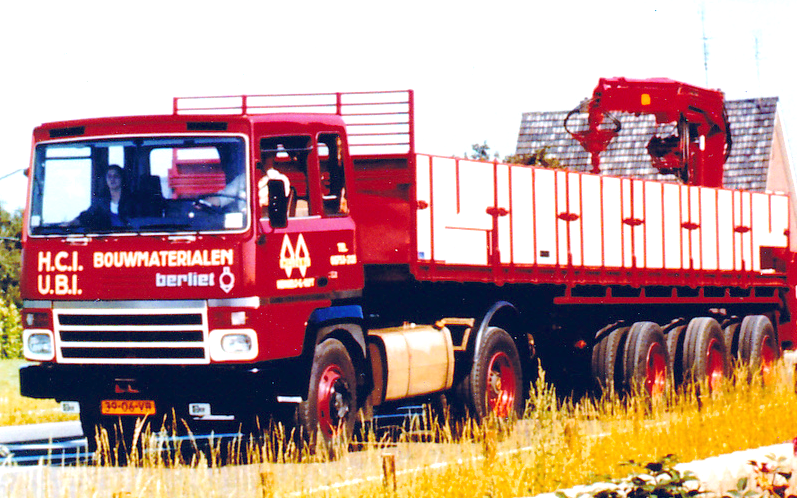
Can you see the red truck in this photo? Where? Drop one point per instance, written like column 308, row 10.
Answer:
column 293, row 256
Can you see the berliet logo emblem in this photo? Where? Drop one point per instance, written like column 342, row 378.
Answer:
column 294, row 257
column 226, row 280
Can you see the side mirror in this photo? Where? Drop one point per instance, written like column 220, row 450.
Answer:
column 277, row 204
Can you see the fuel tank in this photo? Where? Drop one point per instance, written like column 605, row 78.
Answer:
column 410, row 360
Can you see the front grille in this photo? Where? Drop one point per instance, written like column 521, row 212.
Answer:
column 125, row 319
column 121, row 335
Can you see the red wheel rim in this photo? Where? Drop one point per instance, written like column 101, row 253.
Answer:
column 501, row 386
column 715, row 365
column 656, row 373
column 332, row 400
column 768, row 357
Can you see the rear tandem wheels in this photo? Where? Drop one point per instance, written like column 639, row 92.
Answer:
column 645, row 357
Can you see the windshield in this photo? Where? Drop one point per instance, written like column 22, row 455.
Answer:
column 169, row 184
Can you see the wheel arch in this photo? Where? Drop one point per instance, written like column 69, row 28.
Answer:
column 506, row 316
column 345, row 324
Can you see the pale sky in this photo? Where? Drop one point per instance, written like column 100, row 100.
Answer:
column 475, row 67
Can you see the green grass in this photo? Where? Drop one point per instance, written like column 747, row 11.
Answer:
column 17, row 410
column 559, row 444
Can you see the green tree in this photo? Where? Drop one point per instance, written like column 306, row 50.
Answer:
column 10, row 330
column 10, row 252
column 481, row 152
column 10, row 301
column 539, row 157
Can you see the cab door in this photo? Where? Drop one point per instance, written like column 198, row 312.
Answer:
column 315, row 254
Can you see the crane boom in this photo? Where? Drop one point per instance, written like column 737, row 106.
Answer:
column 696, row 152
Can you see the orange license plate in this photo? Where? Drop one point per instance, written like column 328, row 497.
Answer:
column 127, row 407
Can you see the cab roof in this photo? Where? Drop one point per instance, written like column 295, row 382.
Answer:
column 373, row 119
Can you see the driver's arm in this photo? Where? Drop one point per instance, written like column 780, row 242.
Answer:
column 229, row 193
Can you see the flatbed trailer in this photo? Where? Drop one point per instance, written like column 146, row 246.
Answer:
column 575, row 242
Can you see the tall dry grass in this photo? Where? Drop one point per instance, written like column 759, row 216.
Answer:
column 558, row 444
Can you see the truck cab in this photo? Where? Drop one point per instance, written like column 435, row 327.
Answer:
column 153, row 279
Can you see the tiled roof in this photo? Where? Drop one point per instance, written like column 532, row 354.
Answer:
column 752, row 124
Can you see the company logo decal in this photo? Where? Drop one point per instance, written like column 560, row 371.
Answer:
column 226, row 280
column 295, row 257
column 58, row 273
column 154, row 259
column 191, row 279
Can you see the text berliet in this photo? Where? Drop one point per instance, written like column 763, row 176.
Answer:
column 192, row 279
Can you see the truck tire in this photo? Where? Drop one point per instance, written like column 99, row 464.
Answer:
column 758, row 345
column 675, row 351
column 496, row 380
column 607, row 355
column 646, row 362
column 705, row 357
column 331, row 406
column 731, row 332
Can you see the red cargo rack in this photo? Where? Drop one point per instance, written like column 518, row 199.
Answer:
column 381, row 119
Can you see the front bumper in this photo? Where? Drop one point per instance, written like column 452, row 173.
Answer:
column 229, row 389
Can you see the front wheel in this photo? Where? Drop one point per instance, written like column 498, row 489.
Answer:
column 496, row 381
column 327, row 417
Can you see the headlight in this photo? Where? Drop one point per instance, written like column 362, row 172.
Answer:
column 38, row 345
column 233, row 344
column 236, row 343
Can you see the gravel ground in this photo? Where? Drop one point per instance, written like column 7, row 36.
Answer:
column 719, row 474
column 716, row 475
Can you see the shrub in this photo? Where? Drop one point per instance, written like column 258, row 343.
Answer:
column 10, row 330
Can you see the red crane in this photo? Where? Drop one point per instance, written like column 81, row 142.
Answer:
column 695, row 152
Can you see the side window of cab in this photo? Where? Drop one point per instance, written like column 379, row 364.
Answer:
column 288, row 155
column 333, row 180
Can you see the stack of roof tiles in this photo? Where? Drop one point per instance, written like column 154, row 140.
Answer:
column 752, row 124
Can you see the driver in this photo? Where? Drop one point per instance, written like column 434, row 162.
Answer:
column 235, row 190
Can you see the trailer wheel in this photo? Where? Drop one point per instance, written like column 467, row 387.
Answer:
column 496, row 379
column 732, row 334
column 331, row 406
column 705, row 357
column 646, row 365
column 607, row 354
column 758, row 346
column 675, row 351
